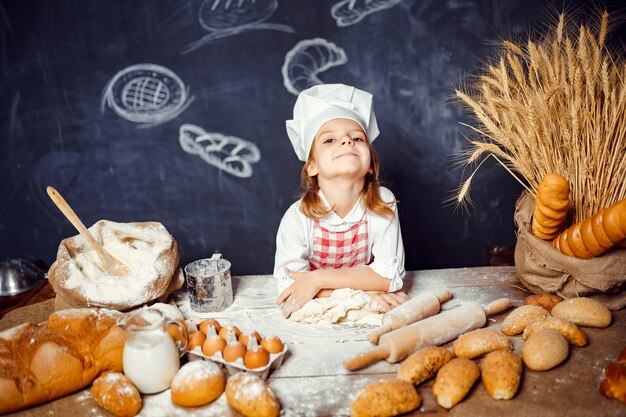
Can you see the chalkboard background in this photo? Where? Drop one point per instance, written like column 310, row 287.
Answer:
column 85, row 108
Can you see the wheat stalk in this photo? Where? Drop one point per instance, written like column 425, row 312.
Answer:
column 553, row 104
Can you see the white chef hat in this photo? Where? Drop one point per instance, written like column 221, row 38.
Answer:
column 321, row 103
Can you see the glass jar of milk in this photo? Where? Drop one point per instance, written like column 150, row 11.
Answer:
column 151, row 358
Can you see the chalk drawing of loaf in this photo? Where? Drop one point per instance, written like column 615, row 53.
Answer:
column 147, row 94
column 349, row 12
column 306, row 60
column 223, row 18
column 228, row 153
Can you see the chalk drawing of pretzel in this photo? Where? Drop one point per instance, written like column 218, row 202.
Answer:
column 350, row 12
column 223, row 18
column 228, row 153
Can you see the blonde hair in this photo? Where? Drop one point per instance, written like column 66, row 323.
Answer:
column 312, row 206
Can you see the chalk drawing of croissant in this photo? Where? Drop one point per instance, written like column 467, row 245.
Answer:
column 309, row 58
column 223, row 18
column 228, row 153
column 349, row 12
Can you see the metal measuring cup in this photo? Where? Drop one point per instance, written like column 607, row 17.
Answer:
column 209, row 284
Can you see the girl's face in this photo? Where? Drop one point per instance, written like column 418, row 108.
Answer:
column 340, row 149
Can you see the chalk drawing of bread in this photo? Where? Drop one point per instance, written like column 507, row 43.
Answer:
column 306, row 60
column 349, row 12
column 228, row 153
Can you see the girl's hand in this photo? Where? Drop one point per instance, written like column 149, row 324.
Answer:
column 303, row 289
column 389, row 300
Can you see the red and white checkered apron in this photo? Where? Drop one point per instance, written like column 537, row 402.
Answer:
column 335, row 250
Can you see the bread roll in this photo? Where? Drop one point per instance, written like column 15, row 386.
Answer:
column 251, row 396
column 117, row 394
column 41, row 362
column 197, row 383
column 478, row 342
column 501, row 372
column 454, row 381
column 567, row 329
column 544, row 350
column 521, row 317
column 614, row 386
column 547, row 301
column 388, row 397
column 583, row 311
column 423, row 364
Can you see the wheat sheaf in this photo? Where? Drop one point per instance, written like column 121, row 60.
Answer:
column 554, row 104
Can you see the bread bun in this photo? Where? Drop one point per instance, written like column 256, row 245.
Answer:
column 117, row 394
column 423, row 364
column 547, row 301
column 566, row 328
column 614, row 386
column 454, row 381
column 583, row 311
column 477, row 342
column 544, row 350
column 388, row 397
column 197, row 383
column 251, row 396
column 521, row 317
column 501, row 372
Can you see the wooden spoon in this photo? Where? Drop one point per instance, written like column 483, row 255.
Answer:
column 110, row 264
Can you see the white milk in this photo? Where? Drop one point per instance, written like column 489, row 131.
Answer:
column 151, row 360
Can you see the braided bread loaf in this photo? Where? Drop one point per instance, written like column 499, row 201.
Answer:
column 45, row 361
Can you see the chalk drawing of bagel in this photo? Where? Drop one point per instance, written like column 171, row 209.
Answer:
column 147, row 94
column 306, row 60
column 223, row 18
column 228, row 153
column 349, row 12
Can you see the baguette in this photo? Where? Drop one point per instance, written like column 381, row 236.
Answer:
column 501, row 372
column 595, row 235
column 423, row 364
column 551, row 206
column 45, row 361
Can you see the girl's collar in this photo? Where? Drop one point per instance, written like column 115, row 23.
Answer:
column 354, row 215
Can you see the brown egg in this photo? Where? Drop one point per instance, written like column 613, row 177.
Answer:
column 196, row 338
column 234, row 351
column 174, row 333
column 244, row 337
column 272, row 344
column 256, row 358
column 224, row 332
column 209, row 322
column 212, row 345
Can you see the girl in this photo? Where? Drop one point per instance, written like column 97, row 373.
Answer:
column 344, row 231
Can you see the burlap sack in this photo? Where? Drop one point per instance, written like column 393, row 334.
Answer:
column 542, row 268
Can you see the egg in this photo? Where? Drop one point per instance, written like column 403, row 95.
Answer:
column 212, row 345
column 233, row 351
column 196, row 338
column 223, row 332
column 244, row 337
column 174, row 332
column 256, row 358
column 272, row 344
column 204, row 325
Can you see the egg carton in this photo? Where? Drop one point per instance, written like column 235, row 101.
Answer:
column 276, row 360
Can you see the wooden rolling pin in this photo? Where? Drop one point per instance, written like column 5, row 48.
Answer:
column 417, row 308
column 433, row 331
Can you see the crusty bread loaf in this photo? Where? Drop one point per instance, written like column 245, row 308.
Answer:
column 544, row 349
column 423, row 364
column 117, row 394
column 547, row 301
column 251, row 396
column 387, row 397
column 614, row 385
column 41, row 362
column 501, row 372
column 583, row 311
column 521, row 317
column 197, row 383
column 568, row 330
column 477, row 342
column 454, row 381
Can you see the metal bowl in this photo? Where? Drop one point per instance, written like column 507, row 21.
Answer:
column 18, row 276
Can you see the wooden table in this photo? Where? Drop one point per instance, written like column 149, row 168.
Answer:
column 313, row 382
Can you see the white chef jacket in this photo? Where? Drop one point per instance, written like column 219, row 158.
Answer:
column 294, row 240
